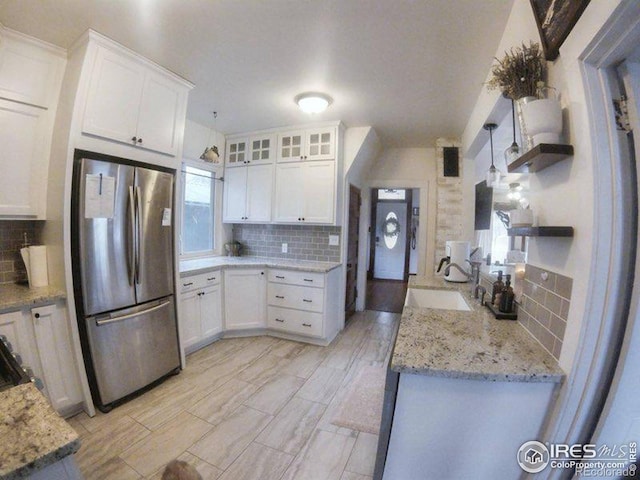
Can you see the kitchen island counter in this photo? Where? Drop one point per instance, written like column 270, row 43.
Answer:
column 202, row 265
column 16, row 297
column 468, row 344
column 34, row 436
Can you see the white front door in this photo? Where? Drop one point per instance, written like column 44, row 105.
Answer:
column 391, row 240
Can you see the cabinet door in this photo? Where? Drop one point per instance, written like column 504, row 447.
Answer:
column 236, row 152
column 291, row 146
column 23, row 182
column 158, row 117
column 262, row 149
column 259, row 193
column 235, row 195
column 11, row 326
column 211, row 311
column 319, row 192
column 321, row 144
column 113, row 100
column 190, row 318
column 54, row 347
column 244, row 299
column 289, row 192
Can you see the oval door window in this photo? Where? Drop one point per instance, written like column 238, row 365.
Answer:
column 391, row 230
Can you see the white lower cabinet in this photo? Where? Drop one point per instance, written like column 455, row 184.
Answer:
column 53, row 338
column 244, row 298
column 200, row 309
column 299, row 303
column 42, row 337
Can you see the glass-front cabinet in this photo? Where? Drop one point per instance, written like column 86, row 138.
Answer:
column 302, row 145
column 236, row 152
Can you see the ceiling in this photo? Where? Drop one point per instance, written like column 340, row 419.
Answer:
column 412, row 69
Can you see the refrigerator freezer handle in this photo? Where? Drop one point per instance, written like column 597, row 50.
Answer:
column 138, row 233
column 131, row 315
column 132, row 239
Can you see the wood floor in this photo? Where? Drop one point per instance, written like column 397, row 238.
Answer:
column 246, row 409
column 386, row 295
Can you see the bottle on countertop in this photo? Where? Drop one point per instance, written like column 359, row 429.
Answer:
column 498, row 285
column 507, row 298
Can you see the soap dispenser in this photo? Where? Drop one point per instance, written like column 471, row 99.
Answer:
column 507, row 298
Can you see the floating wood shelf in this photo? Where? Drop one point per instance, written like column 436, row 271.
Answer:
column 540, row 232
column 540, row 157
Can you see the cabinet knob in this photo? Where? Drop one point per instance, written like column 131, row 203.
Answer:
column 37, row 315
column 261, row 273
column 133, row 139
column 279, row 320
column 280, row 297
column 306, row 324
column 303, row 219
column 139, row 140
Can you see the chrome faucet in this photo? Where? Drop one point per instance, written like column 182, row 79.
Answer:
column 473, row 275
column 460, row 269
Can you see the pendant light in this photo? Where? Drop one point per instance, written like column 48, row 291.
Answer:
column 211, row 154
column 513, row 152
column 493, row 174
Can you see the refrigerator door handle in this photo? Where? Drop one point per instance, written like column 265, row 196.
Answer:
column 132, row 239
column 138, row 233
column 131, row 315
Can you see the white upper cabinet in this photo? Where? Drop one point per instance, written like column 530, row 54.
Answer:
column 248, row 194
column 311, row 144
column 30, row 79
column 30, row 70
column 254, row 150
column 131, row 103
column 306, row 192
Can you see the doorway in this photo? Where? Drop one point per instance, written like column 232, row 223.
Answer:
column 390, row 248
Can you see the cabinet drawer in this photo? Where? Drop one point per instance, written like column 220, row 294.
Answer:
column 293, row 277
column 295, row 321
column 199, row 281
column 293, row 296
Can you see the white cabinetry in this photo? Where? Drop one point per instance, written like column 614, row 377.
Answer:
column 300, row 303
column 42, row 337
column 248, row 194
column 200, row 309
column 253, row 150
column 30, row 79
column 130, row 103
column 305, row 192
column 53, row 338
column 245, row 298
column 310, row 144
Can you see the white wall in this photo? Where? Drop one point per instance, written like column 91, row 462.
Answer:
column 411, row 168
column 563, row 193
column 196, row 138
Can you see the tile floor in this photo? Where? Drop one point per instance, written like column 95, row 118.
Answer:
column 245, row 409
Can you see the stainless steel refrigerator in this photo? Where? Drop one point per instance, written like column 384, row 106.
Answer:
column 122, row 252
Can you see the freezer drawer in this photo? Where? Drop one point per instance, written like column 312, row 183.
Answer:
column 132, row 348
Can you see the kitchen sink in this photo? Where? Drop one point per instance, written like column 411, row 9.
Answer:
column 440, row 299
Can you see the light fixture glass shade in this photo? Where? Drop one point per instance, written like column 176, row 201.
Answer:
column 313, row 102
column 210, row 154
column 493, row 176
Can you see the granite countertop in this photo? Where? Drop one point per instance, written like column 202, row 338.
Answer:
column 202, row 265
column 33, row 434
column 468, row 344
column 15, row 297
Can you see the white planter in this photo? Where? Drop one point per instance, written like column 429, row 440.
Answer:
column 521, row 217
column 543, row 119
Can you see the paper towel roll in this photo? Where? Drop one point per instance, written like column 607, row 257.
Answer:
column 39, row 276
column 25, row 258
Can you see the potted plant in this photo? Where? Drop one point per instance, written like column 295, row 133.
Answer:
column 521, row 76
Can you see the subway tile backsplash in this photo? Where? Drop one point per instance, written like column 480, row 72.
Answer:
column 544, row 307
column 304, row 242
column 12, row 232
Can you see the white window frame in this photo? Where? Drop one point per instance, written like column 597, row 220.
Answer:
column 209, row 167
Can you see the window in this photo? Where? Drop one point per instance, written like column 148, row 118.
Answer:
column 198, row 217
column 391, row 194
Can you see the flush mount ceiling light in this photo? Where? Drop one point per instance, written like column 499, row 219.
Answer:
column 313, row 102
column 493, row 174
